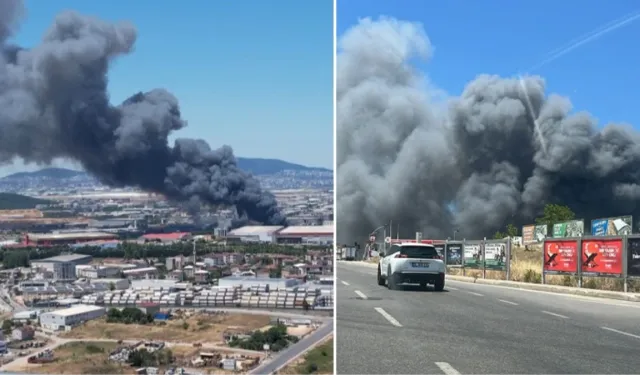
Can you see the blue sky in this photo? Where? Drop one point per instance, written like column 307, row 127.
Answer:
column 506, row 36
column 257, row 75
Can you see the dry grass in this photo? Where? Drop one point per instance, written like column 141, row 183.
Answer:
column 198, row 328
column 526, row 266
column 81, row 358
column 320, row 356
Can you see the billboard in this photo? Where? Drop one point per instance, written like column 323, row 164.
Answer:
column 633, row 257
column 602, row 256
column 560, row 257
column 453, row 255
column 472, row 255
column 440, row 249
column 612, row 226
column 495, row 255
column 532, row 234
column 572, row 228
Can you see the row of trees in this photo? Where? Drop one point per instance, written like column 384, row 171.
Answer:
column 128, row 315
column 552, row 213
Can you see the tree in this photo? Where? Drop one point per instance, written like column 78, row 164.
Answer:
column 512, row 230
column 555, row 213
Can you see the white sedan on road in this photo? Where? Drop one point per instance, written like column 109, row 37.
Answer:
column 411, row 263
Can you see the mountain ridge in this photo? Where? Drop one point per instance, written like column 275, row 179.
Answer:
column 256, row 166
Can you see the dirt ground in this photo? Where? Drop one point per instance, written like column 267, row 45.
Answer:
column 80, row 358
column 198, row 328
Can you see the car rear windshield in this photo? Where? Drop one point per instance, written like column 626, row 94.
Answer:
column 419, row 252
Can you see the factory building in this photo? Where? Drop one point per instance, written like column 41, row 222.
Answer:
column 97, row 272
column 141, row 273
column 254, row 233
column 53, row 239
column 115, row 284
column 247, row 282
column 61, row 267
column 307, row 234
column 66, row 318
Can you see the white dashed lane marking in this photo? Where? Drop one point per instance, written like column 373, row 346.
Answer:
column 621, row 332
column 508, row 302
column 361, row 295
column 388, row 316
column 450, row 288
column 554, row 314
column 345, row 283
column 476, row 294
column 447, row 368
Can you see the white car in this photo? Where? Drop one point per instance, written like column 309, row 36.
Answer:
column 412, row 263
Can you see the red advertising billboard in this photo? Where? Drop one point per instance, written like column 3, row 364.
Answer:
column 602, row 256
column 561, row 256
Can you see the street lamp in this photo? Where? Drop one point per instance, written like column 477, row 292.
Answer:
column 454, row 233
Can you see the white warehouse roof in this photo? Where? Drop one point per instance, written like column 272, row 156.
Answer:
column 77, row 310
column 254, row 230
column 308, row 230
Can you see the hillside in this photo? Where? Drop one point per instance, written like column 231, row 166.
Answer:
column 54, row 173
column 10, row 201
column 256, row 166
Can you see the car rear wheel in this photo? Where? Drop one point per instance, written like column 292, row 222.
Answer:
column 380, row 279
column 391, row 282
column 438, row 286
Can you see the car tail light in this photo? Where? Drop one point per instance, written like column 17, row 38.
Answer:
column 401, row 256
column 437, row 257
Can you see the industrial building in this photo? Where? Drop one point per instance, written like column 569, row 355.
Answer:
column 246, row 283
column 61, row 267
column 65, row 319
column 97, row 272
column 254, row 233
column 53, row 239
column 116, row 284
column 166, row 237
column 307, row 234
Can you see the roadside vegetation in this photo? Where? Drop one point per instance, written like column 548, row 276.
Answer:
column 318, row 360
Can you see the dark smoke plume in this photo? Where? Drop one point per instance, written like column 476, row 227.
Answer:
column 476, row 163
column 54, row 104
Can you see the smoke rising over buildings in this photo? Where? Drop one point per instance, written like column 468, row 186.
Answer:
column 54, row 104
column 475, row 163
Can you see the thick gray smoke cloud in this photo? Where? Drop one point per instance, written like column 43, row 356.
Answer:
column 477, row 163
column 54, row 104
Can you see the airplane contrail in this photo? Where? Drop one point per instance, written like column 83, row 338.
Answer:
column 586, row 38
column 565, row 49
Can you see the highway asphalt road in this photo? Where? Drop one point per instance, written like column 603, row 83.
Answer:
column 479, row 329
column 295, row 350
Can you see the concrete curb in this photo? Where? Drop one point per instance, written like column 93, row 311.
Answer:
column 630, row 297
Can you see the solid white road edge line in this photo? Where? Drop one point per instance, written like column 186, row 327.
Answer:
column 508, row 302
column 361, row 295
column 621, row 332
column 476, row 294
column 447, row 368
column 387, row 316
column 345, row 283
column 554, row 314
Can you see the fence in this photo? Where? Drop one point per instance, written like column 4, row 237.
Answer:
column 484, row 255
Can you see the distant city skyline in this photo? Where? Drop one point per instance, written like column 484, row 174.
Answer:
column 266, row 91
